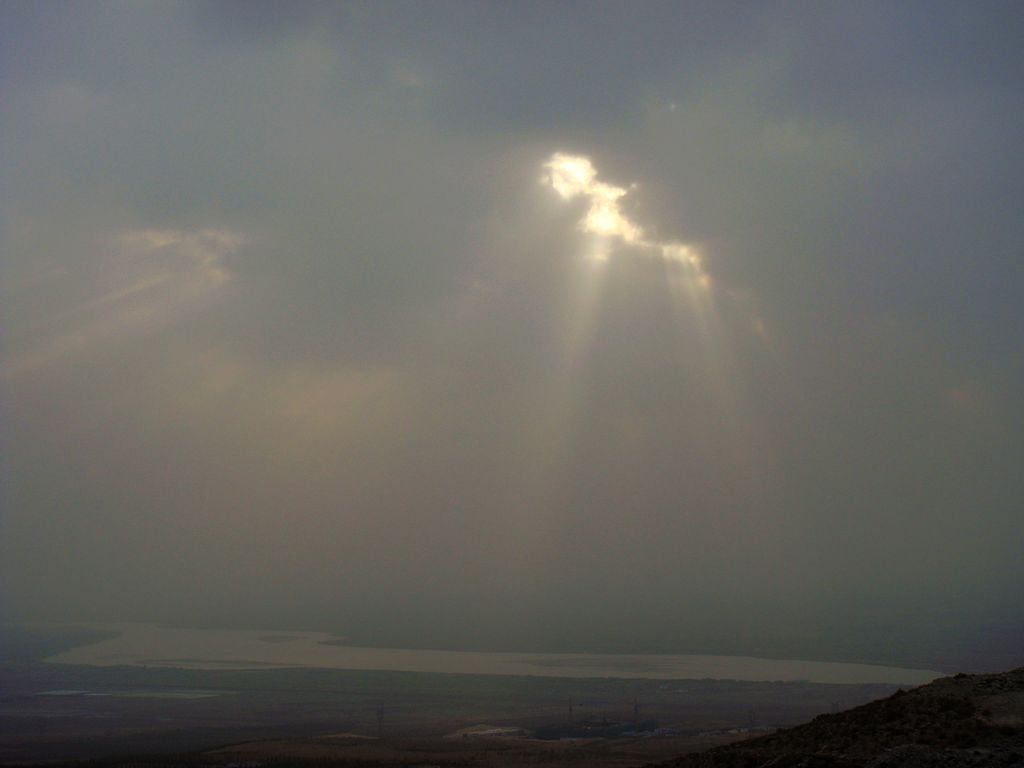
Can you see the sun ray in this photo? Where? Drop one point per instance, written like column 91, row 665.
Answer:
column 703, row 332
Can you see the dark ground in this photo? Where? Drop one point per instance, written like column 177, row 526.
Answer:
column 954, row 722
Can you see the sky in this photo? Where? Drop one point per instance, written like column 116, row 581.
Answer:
column 669, row 327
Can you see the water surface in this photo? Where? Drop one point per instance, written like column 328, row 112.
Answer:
column 146, row 645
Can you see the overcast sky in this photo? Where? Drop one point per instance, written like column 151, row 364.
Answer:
column 630, row 326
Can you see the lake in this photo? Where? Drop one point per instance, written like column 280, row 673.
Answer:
column 148, row 645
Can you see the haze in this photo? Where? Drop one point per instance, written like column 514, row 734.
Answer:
column 664, row 327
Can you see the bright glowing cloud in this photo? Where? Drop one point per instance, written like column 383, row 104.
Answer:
column 573, row 176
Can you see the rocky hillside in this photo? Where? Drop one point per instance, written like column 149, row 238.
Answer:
column 965, row 720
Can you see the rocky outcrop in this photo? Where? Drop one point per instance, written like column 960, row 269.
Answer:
column 964, row 720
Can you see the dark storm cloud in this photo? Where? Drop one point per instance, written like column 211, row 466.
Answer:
column 295, row 336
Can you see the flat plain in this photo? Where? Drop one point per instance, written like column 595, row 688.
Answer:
column 63, row 712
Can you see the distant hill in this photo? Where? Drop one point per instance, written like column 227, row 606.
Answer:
column 964, row 720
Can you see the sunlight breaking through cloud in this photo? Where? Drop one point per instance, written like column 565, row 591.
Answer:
column 146, row 278
column 573, row 176
column 204, row 249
